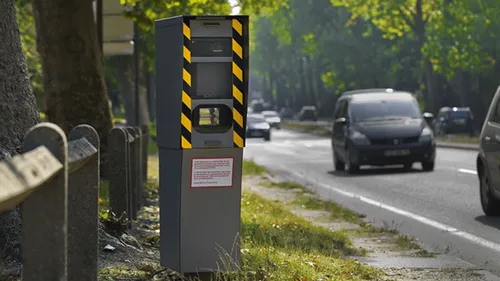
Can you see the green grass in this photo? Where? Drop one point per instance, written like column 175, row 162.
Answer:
column 306, row 199
column 336, row 211
column 322, row 130
column 276, row 245
column 250, row 168
column 459, row 139
column 306, row 128
column 103, row 196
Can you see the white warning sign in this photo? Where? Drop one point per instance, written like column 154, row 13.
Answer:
column 212, row 172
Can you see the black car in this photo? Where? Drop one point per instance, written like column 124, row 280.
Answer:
column 488, row 160
column 380, row 128
column 454, row 120
column 257, row 127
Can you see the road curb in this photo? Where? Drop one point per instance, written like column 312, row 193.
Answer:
column 470, row 147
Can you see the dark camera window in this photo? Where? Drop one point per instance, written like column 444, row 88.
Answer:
column 212, row 118
column 212, row 80
column 211, row 47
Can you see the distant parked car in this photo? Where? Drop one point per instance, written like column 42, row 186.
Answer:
column 488, row 160
column 257, row 127
column 454, row 120
column 308, row 112
column 273, row 118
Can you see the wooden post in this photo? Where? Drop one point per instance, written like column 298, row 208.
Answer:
column 44, row 213
column 83, row 208
column 118, row 170
column 132, row 160
column 145, row 154
column 139, row 157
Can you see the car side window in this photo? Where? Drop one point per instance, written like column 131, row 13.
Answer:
column 336, row 110
column 496, row 113
column 342, row 109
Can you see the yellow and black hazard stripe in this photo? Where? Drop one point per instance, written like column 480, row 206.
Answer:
column 239, row 116
column 186, row 125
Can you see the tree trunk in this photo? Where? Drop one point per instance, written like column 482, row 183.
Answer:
column 18, row 112
column 73, row 71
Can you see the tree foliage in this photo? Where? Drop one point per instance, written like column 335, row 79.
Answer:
column 145, row 12
column 445, row 51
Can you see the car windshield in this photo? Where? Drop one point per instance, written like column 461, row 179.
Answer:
column 254, row 119
column 270, row 114
column 384, row 110
column 459, row 114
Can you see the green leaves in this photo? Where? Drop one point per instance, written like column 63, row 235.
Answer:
column 449, row 32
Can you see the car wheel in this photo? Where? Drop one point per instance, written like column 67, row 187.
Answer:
column 268, row 137
column 428, row 166
column 408, row 166
column 351, row 168
column 337, row 163
column 489, row 203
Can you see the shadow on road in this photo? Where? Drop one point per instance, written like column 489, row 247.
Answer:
column 376, row 171
column 489, row 221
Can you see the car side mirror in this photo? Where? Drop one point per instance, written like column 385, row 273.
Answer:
column 341, row 121
column 428, row 117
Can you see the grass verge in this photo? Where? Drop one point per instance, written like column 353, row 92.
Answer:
column 324, row 131
column 306, row 128
column 459, row 139
column 305, row 199
column 276, row 245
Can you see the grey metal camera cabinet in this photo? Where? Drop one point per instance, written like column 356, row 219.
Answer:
column 201, row 101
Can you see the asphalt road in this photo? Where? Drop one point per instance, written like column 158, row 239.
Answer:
column 440, row 208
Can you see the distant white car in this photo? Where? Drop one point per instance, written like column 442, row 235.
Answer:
column 273, row 118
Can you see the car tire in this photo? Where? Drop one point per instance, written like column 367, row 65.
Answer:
column 350, row 168
column 428, row 166
column 489, row 203
column 337, row 163
column 268, row 137
column 408, row 166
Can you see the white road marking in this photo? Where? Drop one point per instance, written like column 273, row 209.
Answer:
column 467, row 171
column 280, row 150
column 475, row 239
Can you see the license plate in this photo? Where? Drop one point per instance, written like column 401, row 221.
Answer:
column 460, row 121
column 401, row 152
column 256, row 134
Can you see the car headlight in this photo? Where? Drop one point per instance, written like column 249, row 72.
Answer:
column 262, row 126
column 359, row 138
column 426, row 135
